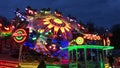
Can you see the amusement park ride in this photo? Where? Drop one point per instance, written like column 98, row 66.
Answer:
column 52, row 35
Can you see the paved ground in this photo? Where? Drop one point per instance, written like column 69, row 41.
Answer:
column 8, row 62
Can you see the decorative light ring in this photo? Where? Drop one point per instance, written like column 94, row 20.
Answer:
column 79, row 40
column 58, row 21
column 55, row 21
column 20, row 35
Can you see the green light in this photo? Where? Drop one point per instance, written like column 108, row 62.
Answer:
column 72, row 47
column 53, row 66
column 6, row 34
column 58, row 21
column 47, row 33
column 19, row 37
column 101, row 62
column 34, row 38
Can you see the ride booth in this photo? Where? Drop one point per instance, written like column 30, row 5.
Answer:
column 84, row 52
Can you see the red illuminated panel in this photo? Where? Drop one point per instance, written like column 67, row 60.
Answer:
column 20, row 35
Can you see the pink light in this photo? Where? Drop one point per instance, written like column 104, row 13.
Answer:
column 60, row 47
column 50, row 47
column 30, row 11
column 64, row 61
column 54, row 48
column 53, row 45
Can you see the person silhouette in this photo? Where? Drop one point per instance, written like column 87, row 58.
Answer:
column 42, row 64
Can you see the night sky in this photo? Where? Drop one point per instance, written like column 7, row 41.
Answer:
column 102, row 12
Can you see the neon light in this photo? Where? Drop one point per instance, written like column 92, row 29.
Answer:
column 19, row 35
column 6, row 28
column 72, row 47
column 19, row 38
column 40, row 30
column 91, row 37
column 45, row 23
column 79, row 40
column 62, row 29
column 50, row 26
column 56, row 28
column 34, row 38
column 108, row 41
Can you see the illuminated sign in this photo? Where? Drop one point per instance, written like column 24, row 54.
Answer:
column 79, row 40
column 91, row 37
column 20, row 35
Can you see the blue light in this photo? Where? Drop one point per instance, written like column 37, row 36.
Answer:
column 20, row 15
column 64, row 43
column 29, row 44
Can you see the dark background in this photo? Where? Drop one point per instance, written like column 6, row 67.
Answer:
column 101, row 12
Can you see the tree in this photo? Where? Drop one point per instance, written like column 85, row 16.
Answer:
column 91, row 27
column 100, row 30
column 115, row 39
column 4, row 21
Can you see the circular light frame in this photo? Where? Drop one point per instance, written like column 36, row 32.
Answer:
column 80, row 40
column 20, row 35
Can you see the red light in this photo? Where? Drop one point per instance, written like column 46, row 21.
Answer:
column 0, row 25
column 50, row 47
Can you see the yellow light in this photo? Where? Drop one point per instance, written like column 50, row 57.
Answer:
column 6, row 28
column 98, row 37
column 40, row 30
column 106, row 65
column 56, row 28
column 79, row 40
column 46, row 19
column 58, row 21
column 45, row 23
column 62, row 29
column 68, row 26
column 67, row 29
column 104, row 42
column 50, row 26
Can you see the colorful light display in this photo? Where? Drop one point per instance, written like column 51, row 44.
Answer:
column 20, row 35
column 54, row 26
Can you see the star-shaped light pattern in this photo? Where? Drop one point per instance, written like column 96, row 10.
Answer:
column 59, row 26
